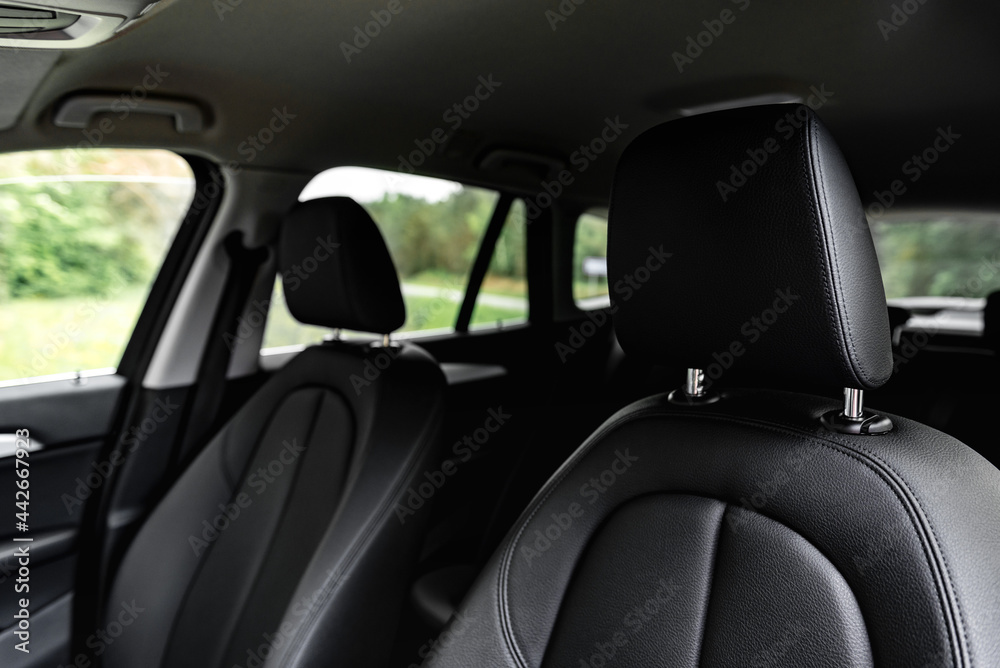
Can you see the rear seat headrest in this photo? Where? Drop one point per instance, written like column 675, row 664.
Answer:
column 737, row 239
column 336, row 270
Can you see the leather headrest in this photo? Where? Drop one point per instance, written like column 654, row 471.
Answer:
column 737, row 240
column 336, row 270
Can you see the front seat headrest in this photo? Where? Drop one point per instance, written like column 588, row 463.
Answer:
column 336, row 270
column 737, row 239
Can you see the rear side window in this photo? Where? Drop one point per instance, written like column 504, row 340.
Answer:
column 82, row 235
column 939, row 256
column 590, row 261
column 503, row 297
column 433, row 229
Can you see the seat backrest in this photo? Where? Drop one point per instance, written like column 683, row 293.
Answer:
column 279, row 545
column 715, row 526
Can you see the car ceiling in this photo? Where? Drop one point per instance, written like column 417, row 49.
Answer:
column 557, row 86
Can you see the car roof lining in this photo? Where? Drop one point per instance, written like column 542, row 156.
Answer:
column 890, row 95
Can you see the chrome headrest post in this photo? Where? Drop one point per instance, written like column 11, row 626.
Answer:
column 854, row 403
column 694, row 391
column 694, row 386
column 853, row 419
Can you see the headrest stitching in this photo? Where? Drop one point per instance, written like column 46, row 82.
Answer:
column 820, row 233
column 823, row 208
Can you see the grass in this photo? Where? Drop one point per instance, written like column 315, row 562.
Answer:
column 584, row 288
column 421, row 313
column 39, row 337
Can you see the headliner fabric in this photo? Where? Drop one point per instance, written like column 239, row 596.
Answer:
column 21, row 72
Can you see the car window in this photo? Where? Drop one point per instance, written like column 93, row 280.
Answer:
column 82, row 235
column 503, row 297
column 590, row 260
column 433, row 229
column 938, row 257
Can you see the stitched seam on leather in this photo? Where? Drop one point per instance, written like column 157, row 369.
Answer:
column 502, row 590
column 866, row 457
column 234, row 489
column 822, row 244
column 711, row 579
column 863, row 456
column 385, row 508
column 946, row 583
column 296, row 473
column 840, row 302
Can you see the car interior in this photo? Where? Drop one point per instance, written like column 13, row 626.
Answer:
column 386, row 334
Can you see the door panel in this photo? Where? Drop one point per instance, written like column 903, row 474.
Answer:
column 70, row 419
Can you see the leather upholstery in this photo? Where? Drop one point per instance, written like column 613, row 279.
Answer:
column 743, row 532
column 755, row 537
column 336, row 269
column 792, row 240
column 280, row 545
column 316, row 547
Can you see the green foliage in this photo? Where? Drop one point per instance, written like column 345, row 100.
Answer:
column 61, row 240
column 509, row 257
column 591, row 241
column 434, row 236
column 71, row 226
column 950, row 257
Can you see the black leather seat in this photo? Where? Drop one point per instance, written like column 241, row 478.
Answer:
column 725, row 527
column 279, row 545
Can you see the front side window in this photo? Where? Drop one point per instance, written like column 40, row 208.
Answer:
column 82, row 235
